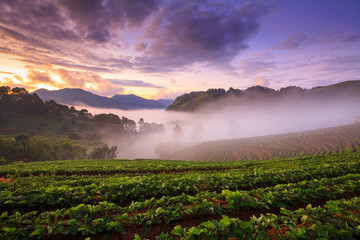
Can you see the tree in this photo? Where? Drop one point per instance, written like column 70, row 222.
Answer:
column 141, row 125
column 66, row 151
column 4, row 91
column 107, row 119
column 104, row 152
column 128, row 125
column 145, row 127
column 177, row 131
column 9, row 149
column 41, row 149
column 79, row 151
column 84, row 114
column 24, row 141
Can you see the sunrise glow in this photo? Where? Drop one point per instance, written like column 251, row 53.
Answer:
column 161, row 49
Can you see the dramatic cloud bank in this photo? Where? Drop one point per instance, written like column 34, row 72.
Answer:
column 173, row 33
column 168, row 46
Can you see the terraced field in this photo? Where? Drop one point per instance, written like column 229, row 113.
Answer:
column 324, row 141
column 313, row 197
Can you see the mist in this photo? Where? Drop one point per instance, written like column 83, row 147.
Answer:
column 227, row 119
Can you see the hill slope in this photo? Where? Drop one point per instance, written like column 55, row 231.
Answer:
column 348, row 91
column 133, row 101
column 76, row 96
column 318, row 142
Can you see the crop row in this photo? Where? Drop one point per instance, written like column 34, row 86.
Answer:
column 89, row 219
column 123, row 190
column 143, row 166
column 335, row 140
column 336, row 220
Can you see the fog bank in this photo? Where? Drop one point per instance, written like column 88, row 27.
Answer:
column 226, row 120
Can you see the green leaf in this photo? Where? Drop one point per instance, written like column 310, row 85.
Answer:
column 8, row 230
column 304, row 218
column 137, row 237
column 209, row 224
column 4, row 214
column 178, row 230
column 38, row 231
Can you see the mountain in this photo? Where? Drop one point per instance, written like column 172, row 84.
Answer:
column 135, row 102
column 166, row 102
column 76, row 96
column 348, row 91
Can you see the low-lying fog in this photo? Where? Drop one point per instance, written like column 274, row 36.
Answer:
column 221, row 122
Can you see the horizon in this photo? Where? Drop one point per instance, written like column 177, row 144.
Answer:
column 160, row 49
column 276, row 89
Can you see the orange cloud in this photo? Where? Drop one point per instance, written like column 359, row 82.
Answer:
column 39, row 77
column 75, row 79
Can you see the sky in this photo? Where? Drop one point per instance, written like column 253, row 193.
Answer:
column 164, row 48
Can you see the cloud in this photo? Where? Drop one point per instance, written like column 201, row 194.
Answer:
column 48, row 31
column 139, row 47
column 96, row 19
column 300, row 39
column 6, row 72
column 351, row 38
column 183, row 33
column 10, row 82
column 64, row 79
column 36, row 77
column 256, row 65
column 13, row 34
column 294, row 41
column 259, row 69
column 133, row 83
column 167, row 94
column 349, row 64
column 92, row 35
column 42, row 17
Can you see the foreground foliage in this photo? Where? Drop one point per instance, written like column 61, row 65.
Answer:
column 299, row 198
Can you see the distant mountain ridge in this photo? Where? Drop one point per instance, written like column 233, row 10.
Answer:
column 77, row 96
column 194, row 101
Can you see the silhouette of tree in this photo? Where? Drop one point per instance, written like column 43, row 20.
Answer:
column 104, row 152
column 177, row 131
column 24, row 140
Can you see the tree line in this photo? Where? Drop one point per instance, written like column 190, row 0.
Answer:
column 33, row 129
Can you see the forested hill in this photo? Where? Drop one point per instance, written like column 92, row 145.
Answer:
column 348, row 91
column 23, row 112
column 80, row 97
column 32, row 129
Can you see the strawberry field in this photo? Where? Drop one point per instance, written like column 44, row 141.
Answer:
column 319, row 142
column 313, row 197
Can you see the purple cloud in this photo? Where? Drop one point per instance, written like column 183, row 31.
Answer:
column 133, row 83
column 300, row 39
column 171, row 35
column 95, row 19
column 294, row 41
column 183, row 33
column 351, row 38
